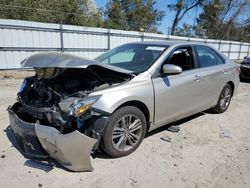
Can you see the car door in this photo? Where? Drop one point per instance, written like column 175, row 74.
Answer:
column 213, row 72
column 178, row 95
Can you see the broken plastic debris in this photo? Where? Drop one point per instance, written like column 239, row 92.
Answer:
column 224, row 133
column 40, row 165
column 166, row 138
column 173, row 128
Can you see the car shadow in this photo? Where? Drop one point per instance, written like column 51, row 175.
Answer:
column 176, row 123
column 102, row 155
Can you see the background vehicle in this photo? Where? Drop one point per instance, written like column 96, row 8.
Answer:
column 73, row 105
column 245, row 68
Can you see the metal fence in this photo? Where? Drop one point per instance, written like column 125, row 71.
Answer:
column 19, row 39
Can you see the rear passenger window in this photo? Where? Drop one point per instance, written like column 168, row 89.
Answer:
column 219, row 60
column 207, row 57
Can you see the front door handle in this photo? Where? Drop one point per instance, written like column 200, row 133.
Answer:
column 197, row 78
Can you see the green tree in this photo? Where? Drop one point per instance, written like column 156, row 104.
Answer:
column 222, row 19
column 181, row 8
column 186, row 30
column 74, row 12
column 115, row 18
column 208, row 19
column 132, row 15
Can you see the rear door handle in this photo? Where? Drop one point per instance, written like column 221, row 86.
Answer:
column 197, row 78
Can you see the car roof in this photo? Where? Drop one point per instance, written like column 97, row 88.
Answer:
column 168, row 43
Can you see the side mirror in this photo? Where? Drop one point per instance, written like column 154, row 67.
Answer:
column 171, row 69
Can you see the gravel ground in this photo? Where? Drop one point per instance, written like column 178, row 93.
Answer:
column 197, row 155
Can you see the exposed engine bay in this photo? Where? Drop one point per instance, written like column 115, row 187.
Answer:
column 53, row 116
column 48, row 96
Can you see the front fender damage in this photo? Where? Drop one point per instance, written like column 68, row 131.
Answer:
column 71, row 150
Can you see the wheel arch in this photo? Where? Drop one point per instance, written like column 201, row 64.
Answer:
column 140, row 105
column 232, row 86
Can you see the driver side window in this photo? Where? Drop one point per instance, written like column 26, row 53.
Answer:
column 182, row 57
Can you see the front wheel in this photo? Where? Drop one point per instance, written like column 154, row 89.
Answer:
column 224, row 99
column 124, row 132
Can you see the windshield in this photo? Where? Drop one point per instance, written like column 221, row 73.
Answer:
column 133, row 57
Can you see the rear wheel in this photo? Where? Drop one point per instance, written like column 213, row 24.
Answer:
column 124, row 132
column 224, row 99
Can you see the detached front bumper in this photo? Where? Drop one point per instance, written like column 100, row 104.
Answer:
column 34, row 140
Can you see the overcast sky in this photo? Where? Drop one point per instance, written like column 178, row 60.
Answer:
column 168, row 19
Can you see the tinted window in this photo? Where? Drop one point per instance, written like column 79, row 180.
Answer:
column 134, row 57
column 182, row 57
column 207, row 57
column 219, row 60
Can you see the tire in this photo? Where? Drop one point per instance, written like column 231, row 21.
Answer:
column 124, row 131
column 224, row 99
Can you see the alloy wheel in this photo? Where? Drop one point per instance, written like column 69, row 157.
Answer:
column 225, row 98
column 127, row 132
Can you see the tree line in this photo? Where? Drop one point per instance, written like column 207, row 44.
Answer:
column 217, row 19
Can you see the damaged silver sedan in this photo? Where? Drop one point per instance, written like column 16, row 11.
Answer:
column 72, row 106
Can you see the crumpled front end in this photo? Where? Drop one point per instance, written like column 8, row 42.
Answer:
column 71, row 150
column 54, row 116
column 34, row 140
column 25, row 134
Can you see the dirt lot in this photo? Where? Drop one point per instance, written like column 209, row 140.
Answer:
column 196, row 156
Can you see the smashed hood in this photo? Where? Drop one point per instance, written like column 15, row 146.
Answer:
column 47, row 64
